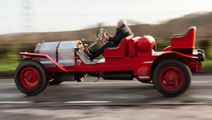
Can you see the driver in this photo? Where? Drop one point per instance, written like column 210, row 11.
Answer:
column 122, row 31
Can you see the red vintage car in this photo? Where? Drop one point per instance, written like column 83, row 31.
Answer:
column 135, row 57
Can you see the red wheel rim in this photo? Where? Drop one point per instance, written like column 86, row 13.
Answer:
column 171, row 78
column 30, row 78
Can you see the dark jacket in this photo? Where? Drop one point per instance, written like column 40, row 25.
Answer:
column 121, row 33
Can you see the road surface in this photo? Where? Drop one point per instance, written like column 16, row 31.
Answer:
column 110, row 99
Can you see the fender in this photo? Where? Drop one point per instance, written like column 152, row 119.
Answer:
column 184, row 58
column 175, row 55
column 185, row 55
column 31, row 55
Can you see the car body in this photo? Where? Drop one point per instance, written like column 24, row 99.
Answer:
column 135, row 57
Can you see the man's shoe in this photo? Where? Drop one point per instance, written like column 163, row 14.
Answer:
column 91, row 57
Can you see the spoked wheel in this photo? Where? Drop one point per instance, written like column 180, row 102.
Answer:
column 171, row 78
column 31, row 78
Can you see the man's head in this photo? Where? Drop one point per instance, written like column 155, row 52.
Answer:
column 121, row 23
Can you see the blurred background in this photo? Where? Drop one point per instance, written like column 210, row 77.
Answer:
column 23, row 23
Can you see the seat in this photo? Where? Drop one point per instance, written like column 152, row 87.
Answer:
column 122, row 49
column 185, row 41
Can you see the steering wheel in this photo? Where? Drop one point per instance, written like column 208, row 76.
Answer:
column 101, row 34
column 100, row 37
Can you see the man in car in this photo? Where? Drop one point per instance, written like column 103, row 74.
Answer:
column 122, row 31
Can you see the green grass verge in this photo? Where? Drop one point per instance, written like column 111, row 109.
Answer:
column 207, row 65
column 8, row 67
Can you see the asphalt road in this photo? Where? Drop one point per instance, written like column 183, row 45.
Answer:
column 106, row 100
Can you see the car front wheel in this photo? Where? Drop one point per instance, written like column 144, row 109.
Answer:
column 31, row 78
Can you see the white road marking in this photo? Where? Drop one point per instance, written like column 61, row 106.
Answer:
column 86, row 102
column 15, row 102
column 206, row 97
column 201, row 82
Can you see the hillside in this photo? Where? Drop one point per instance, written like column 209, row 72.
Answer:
column 163, row 30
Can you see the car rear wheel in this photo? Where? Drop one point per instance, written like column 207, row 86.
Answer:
column 171, row 78
column 31, row 78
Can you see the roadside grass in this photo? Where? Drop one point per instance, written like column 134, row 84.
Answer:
column 8, row 67
column 207, row 65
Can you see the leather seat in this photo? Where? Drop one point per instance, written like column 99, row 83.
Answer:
column 122, row 50
column 186, row 40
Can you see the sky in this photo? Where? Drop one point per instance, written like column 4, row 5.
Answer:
column 66, row 15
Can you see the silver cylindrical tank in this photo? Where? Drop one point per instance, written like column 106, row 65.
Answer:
column 66, row 53
column 62, row 52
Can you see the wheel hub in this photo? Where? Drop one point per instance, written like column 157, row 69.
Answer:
column 30, row 78
column 171, row 78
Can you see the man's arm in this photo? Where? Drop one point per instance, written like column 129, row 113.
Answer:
column 118, row 37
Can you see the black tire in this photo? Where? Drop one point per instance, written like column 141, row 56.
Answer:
column 31, row 78
column 171, row 78
column 55, row 82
